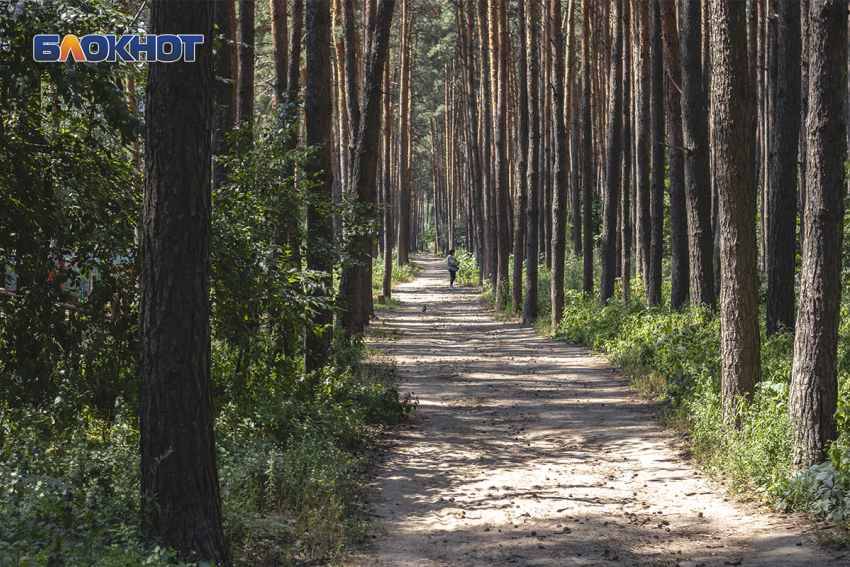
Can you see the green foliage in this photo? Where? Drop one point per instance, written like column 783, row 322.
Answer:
column 401, row 274
column 69, row 201
column 468, row 274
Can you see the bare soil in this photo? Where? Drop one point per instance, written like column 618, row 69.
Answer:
column 533, row 452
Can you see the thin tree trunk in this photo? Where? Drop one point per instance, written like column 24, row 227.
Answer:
column 782, row 197
column 656, row 250
column 643, row 144
column 502, row 165
column 532, row 252
column 351, row 82
column 575, row 143
column 814, row 381
column 387, row 282
column 614, row 164
column 587, row 152
column 245, row 84
column 277, row 12
column 625, row 201
column 293, row 74
column 485, row 125
column 678, row 217
column 224, row 114
column 318, row 122
column 739, row 327
column 403, row 210
column 697, row 173
column 522, row 161
column 355, row 281
column 804, row 112
column 559, row 190
column 178, row 457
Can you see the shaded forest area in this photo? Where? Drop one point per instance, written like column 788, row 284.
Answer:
column 194, row 251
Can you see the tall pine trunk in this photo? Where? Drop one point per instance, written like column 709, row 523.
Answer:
column 224, row 114
column 678, row 217
column 782, row 196
column 814, row 380
column 625, row 193
column 522, row 160
column 387, row 281
column 739, row 311
column 502, row 166
column 355, row 282
column 656, row 236
column 245, row 81
column 697, row 173
column 403, row 188
column 178, row 458
column 587, row 151
column 613, row 161
column 318, row 126
column 559, row 190
column 643, row 145
column 532, row 252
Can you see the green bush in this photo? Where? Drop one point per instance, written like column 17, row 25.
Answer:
column 468, row 274
column 401, row 274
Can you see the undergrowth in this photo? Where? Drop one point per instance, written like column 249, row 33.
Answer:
column 401, row 274
column 71, row 492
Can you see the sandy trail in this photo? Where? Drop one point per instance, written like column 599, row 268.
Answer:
column 534, row 452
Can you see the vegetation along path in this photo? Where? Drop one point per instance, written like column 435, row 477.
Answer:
column 535, row 452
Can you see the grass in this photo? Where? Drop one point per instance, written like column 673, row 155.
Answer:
column 388, row 305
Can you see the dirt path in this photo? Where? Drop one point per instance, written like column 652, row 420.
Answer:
column 535, row 452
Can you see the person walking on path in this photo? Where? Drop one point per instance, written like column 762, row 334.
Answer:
column 453, row 265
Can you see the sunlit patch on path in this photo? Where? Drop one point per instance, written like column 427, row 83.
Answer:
column 534, row 452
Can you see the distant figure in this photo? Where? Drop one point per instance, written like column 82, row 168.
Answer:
column 424, row 308
column 453, row 265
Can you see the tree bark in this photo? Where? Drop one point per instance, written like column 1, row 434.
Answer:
column 656, row 237
column 782, row 196
column 176, row 416
column 739, row 327
column 559, row 190
column 614, row 164
column 532, row 252
column 224, row 114
column 814, row 383
column 355, row 286
column 403, row 211
column 587, row 152
column 245, row 84
column 678, row 217
column 644, row 146
column 387, row 281
column 502, row 166
column 488, row 268
column 522, row 161
column 293, row 75
column 277, row 12
column 318, row 127
column 351, row 49
column 697, row 173
column 625, row 193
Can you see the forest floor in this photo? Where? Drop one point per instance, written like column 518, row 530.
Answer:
column 529, row 451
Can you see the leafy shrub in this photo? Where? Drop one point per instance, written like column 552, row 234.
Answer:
column 401, row 274
column 468, row 274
